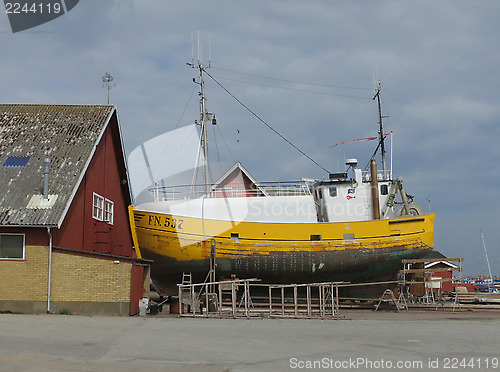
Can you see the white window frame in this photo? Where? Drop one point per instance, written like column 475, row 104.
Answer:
column 97, row 207
column 332, row 190
column 109, row 209
column 24, row 249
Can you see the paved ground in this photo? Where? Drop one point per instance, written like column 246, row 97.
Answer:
column 418, row 341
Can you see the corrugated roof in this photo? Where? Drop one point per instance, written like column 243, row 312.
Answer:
column 67, row 135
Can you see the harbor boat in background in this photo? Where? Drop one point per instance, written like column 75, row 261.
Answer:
column 355, row 226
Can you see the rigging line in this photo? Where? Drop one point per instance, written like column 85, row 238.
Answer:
column 294, row 89
column 267, row 125
column 385, row 109
column 373, row 155
column 225, row 144
column 195, row 171
column 217, row 149
column 170, row 139
column 180, row 145
column 291, row 81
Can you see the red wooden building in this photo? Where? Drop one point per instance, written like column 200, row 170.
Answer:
column 65, row 238
column 440, row 272
column 237, row 182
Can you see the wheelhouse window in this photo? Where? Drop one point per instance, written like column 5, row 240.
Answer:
column 333, row 191
column 12, row 246
column 98, row 208
column 384, row 189
column 108, row 211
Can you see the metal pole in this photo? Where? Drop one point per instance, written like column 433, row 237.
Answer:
column 283, row 301
column 320, row 298
column 308, row 300
column 487, row 261
column 206, row 300
column 50, row 270
column 337, row 299
column 333, row 301
column 180, row 299
column 270, row 301
column 213, row 250
column 392, row 146
column 233, row 298
column 46, row 162
column 193, row 307
column 374, row 190
column 246, row 299
column 204, row 116
column 220, row 300
column 381, row 130
column 295, row 301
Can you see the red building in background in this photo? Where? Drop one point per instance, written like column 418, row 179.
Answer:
column 441, row 280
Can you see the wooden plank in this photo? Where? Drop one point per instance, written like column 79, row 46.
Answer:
column 420, row 260
column 422, row 271
column 429, row 280
column 366, row 284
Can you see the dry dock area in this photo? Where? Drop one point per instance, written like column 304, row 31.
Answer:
column 365, row 340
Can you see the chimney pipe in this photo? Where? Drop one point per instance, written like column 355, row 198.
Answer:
column 375, row 199
column 46, row 163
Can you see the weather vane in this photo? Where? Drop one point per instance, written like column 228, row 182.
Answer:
column 107, row 81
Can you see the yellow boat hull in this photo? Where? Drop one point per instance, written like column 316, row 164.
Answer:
column 279, row 252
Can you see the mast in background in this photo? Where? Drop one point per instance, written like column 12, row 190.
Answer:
column 487, row 260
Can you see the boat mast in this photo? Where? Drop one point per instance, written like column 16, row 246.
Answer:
column 381, row 131
column 205, row 117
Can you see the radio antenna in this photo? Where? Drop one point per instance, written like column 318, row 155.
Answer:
column 192, row 48
column 107, row 81
column 198, row 47
column 209, row 51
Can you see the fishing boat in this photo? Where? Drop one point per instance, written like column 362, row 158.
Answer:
column 353, row 226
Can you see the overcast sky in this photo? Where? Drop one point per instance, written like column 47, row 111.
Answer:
column 437, row 61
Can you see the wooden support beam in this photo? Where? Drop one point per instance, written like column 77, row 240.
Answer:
column 422, row 271
column 428, row 280
column 420, row 260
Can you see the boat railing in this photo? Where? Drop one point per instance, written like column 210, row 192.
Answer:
column 381, row 175
column 265, row 189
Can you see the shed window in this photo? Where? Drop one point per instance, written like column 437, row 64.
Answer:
column 12, row 246
column 98, row 207
column 103, row 209
column 109, row 207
